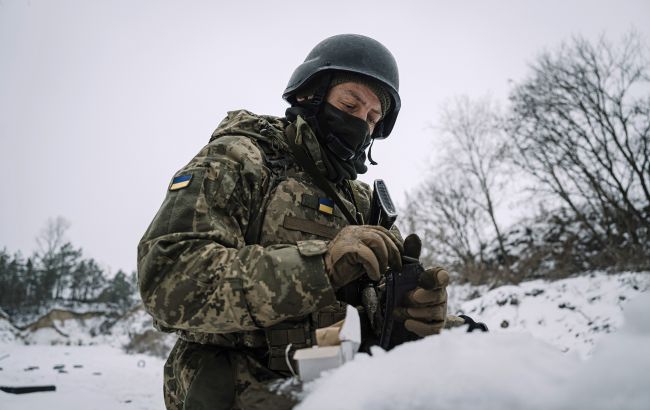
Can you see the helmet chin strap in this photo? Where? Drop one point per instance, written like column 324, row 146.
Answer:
column 315, row 103
column 372, row 161
column 377, row 133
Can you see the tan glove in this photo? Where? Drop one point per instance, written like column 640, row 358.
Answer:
column 425, row 309
column 361, row 249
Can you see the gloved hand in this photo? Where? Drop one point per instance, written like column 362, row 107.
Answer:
column 359, row 249
column 425, row 309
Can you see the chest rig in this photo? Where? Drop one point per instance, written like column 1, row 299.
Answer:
column 292, row 211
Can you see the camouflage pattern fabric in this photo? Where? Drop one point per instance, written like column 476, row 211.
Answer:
column 236, row 250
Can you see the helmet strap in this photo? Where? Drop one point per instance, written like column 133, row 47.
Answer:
column 372, row 161
column 378, row 133
column 316, row 101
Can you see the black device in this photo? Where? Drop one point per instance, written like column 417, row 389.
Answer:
column 398, row 284
column 27, row 389
column 391, row 332
column 382, row 210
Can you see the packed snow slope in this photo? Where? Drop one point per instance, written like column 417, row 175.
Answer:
column 496, row 370
column 571, row 314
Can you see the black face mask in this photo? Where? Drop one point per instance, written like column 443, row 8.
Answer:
column 345, row 135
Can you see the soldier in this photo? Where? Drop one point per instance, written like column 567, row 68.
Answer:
column 261, row 237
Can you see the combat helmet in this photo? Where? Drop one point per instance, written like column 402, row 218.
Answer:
column 351, row 53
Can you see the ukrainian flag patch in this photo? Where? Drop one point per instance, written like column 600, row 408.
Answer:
column 180, row 182
column 326, row 206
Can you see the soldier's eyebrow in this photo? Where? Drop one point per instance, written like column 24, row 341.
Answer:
column 357, row 97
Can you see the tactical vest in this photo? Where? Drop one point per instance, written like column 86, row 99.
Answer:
column 291, row 212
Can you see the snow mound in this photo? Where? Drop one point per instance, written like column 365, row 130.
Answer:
column 7, row 331
column 572, row 314
column 497, row 370
column 59, row 327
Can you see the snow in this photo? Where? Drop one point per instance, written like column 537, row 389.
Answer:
column 108, row 378
column 498, row 370
column 7, row 331
column 577, row 343
column 572, row 314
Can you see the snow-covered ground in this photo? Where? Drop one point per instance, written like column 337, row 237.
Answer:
column 578, row 343
column 571, row 314
column 86, row 377
column 498, row 370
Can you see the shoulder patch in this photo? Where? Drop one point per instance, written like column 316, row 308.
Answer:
column 180, row 182
column 326, row 206
column 323, row 205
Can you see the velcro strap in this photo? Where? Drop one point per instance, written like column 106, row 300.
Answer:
column 304, row 225
column 282, row 337
column 279, row 336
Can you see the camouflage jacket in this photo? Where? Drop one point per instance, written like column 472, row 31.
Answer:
column 234, row 255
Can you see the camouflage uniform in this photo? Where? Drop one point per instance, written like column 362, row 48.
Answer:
column 233, row 263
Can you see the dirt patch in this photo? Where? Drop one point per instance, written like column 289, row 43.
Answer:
column 151, row 342
column 53, row 315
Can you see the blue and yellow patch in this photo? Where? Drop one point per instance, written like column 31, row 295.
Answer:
column 180, row 182
column 326, row 206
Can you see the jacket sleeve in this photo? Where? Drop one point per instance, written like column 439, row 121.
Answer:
column 195, row 271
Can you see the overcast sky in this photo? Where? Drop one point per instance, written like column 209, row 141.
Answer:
column 102, row 101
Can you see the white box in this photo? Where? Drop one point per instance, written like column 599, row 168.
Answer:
column 313, row 361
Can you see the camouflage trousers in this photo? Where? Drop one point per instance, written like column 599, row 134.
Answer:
column 211, row 377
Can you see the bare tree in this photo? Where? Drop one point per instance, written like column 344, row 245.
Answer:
column 52, row 236
column 455, row 209
column 476, row 147
column 581, row 126
column 449, row 222
column 57, row 258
